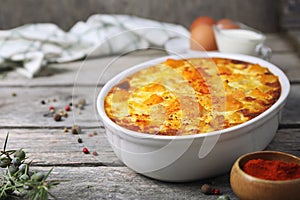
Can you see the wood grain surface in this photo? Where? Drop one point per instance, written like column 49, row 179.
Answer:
column 104, row 176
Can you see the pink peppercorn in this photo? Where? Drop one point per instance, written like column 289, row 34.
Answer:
column 51, row 108
column 85, row 150
column 67, row 108
column 216, row 191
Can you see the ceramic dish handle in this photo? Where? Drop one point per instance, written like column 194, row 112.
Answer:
column 264, row 51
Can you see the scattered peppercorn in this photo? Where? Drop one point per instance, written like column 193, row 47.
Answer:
column 85, row 150
column 56, row 117
column 216, row 191
column 207, row 189
column 80, row 106
column 65, row 114
column 14, row 94
column 223, row 197
column 79, row 140
column 95, row 153
column 95, row 133
column 67, row 108
column 70, row 104
column 65, row 129
column 81, row 102
column 51, row 108
column 76, row 130
column 54, row 100
column 90, row 134
column 43, row 102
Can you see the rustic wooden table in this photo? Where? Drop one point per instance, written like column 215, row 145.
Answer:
column 104, row 176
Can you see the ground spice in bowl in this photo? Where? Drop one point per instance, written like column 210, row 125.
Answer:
column 272, row 169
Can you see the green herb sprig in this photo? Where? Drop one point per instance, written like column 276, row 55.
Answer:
column 17, row 181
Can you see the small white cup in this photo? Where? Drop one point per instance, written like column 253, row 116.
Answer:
column 243, row 41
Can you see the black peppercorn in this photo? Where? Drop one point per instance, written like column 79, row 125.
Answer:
column 76, row 130
column 207, row 189
column 56, row 117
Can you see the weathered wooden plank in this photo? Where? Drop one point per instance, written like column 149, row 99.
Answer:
column 289, row 63
column 26, row 110
column 286, row 140
column 49, row 147
column 91, row 71
column 294, row 36
column 54, row 147
column 104, row 176
column 291, row 111
column 278, row 43
column 122, row 183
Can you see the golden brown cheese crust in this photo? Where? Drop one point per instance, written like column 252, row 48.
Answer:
column 191, row 96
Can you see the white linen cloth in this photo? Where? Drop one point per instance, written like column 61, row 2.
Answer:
column 30, row 47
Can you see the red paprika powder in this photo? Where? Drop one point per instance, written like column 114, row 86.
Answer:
column 272, row 169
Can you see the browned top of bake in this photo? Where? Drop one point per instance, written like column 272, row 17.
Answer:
column 191, row 96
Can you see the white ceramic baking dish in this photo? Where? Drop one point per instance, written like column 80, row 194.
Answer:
column 192, row 157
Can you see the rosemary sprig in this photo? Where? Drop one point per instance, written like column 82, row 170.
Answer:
column 18, row 181
column 6, row 139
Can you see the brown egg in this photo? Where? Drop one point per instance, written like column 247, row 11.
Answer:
column 202, row 20
column 203, row 38
column 227, row 24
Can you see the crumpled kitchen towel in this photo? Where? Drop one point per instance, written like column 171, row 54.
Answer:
column 30, row 47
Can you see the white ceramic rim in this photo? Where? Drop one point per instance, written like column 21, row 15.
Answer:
column 284, row 82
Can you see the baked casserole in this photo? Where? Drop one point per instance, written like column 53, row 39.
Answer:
column 192, row 96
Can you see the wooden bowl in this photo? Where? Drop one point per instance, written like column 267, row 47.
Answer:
column 248, row 187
